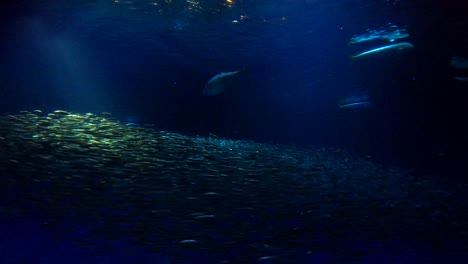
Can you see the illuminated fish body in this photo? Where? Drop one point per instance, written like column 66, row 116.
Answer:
column 220, row 82
column 390, row 33
column 355, row 102
column 363, row 104
column 393, row 47
column 398, row 34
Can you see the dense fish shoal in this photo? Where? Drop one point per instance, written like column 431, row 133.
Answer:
column 234, row 201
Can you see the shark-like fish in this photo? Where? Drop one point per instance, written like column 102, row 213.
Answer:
column 392, row 47
column 218, row 83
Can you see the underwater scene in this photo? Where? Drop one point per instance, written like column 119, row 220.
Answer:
column 233, row 131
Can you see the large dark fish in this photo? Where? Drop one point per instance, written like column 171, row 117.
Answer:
column 220, row 82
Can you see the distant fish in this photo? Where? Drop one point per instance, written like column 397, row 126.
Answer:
column 459, row 62
column 355, row 105
column 461, row 79
column 354, row 102
column 220, row 82
column 392, row 47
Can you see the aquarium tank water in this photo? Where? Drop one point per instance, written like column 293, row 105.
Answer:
column 233, row 131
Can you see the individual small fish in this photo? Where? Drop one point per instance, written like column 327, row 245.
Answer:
column 220, row 82
column 205, row 216
column 392, row 47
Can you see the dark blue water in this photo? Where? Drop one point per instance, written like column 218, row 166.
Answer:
column 148, row 61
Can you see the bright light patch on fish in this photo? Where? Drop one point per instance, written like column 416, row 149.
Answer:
column 356, row 105
column 241, row 18
column 211, row 193
column 229, row 3
column 360, row 101
column 266, row 258
column 385, row 49
column 188, row 241
column 388, row 32
column 204, row 216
